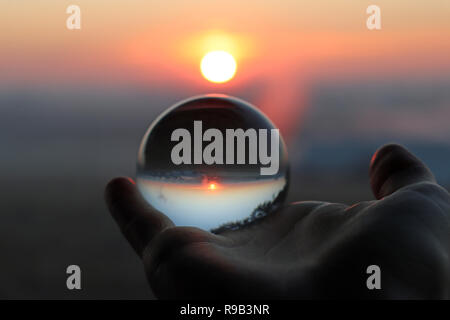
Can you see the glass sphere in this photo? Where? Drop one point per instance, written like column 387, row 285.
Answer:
column 213, row 162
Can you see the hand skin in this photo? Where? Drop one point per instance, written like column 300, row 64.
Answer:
column 308, row 249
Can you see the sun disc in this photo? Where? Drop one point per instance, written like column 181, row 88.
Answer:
column 218, row 66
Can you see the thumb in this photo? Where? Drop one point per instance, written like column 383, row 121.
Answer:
column 393, row 167
column 137, row 220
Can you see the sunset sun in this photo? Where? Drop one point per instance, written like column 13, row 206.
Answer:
column 218, row 66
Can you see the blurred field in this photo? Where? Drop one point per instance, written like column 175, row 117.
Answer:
column 59, row 151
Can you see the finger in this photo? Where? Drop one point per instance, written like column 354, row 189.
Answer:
column 138, row 221
column 393, row 167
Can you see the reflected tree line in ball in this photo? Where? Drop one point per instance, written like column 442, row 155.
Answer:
column 258, row 214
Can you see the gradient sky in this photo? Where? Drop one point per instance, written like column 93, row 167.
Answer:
column 164, row 40
column 280, row 45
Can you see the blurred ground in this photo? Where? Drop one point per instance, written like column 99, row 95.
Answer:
column 60, row 149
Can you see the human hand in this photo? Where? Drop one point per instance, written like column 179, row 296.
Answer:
column 307, row 249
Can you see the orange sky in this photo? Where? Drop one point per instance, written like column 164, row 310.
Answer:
column 165, row 40
column 277, row 44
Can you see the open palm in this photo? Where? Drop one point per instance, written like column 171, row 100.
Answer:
column 307, row 249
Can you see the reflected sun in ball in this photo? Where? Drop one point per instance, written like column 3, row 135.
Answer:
column 212, row 186
column 218, row 66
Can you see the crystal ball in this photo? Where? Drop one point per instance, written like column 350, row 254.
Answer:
column 214, row 162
